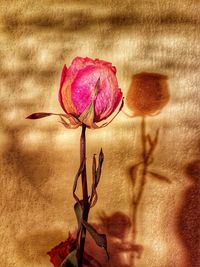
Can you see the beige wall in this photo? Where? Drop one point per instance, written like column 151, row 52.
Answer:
column 40, row 158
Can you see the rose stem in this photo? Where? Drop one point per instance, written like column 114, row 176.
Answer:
column 85, row 196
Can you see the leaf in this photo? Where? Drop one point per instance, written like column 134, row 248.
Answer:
column 98, row 172
column 39, row 115
column 70, row 260
column 79, row 213
column 94, row 196
column 100, row 239
column 160, row 177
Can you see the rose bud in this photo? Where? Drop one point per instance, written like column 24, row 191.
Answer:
column 88, row 94
column 148, row 93
column 89, row 90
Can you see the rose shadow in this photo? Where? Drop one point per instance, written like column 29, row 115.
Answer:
column 147, row 95
column 121, row 248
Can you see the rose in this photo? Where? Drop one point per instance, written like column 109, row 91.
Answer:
column 89, row 90
column 88, row 93
column 59, row 253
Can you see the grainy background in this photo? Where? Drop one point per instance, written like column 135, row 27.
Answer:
column 40, row 158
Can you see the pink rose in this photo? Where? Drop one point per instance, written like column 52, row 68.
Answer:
column 89, row 90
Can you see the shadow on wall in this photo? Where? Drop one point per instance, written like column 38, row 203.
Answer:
column 31, row 167
column 147, row 95
column 121, row 248
column 188, row 225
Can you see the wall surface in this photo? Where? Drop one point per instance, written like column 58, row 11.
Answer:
column 39, row 159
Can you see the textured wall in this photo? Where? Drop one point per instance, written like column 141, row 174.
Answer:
column 40, row 158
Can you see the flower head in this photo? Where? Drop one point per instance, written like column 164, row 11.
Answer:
column 89, row 91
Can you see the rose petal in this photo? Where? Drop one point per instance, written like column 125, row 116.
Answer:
column 83, row 87
column 69, row 75
column 108, row 97
column 63, row 75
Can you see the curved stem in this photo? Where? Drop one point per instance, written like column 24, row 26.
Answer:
column 85, row 204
